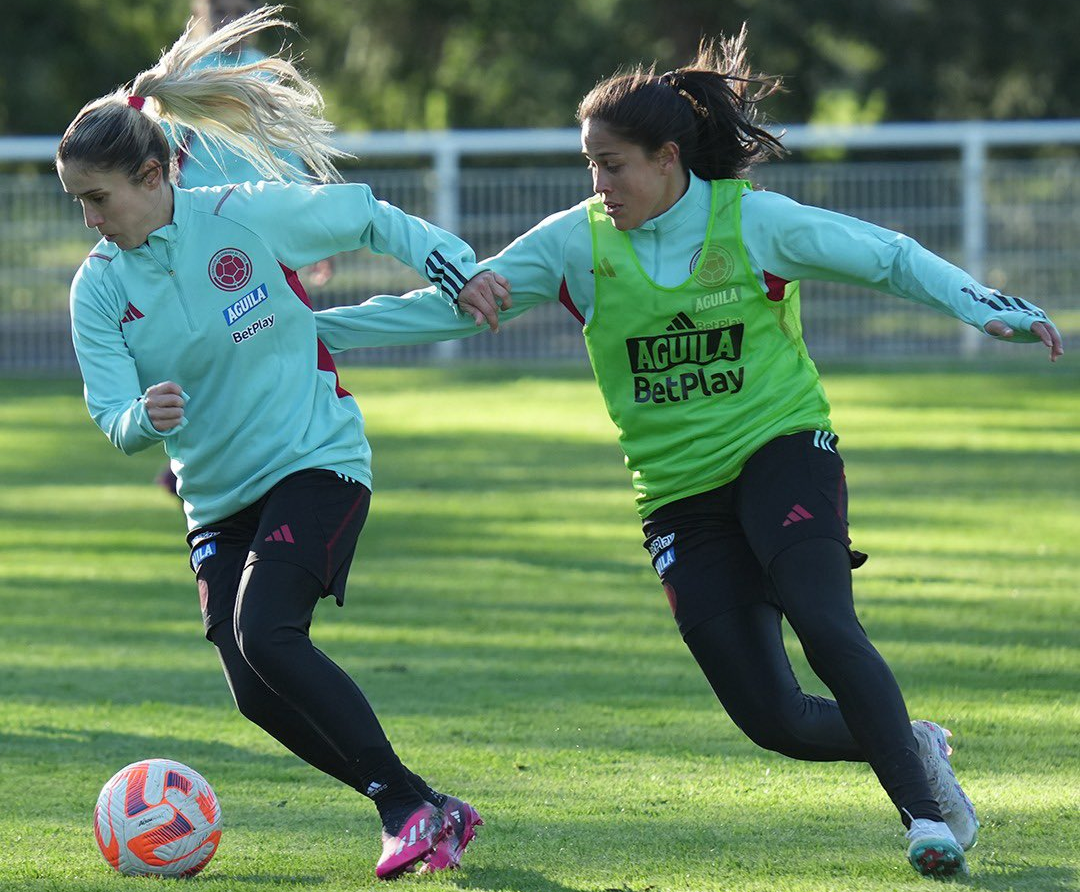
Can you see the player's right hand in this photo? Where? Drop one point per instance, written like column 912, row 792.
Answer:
column 483, row 296
column 165, row 405
column 1044, row 331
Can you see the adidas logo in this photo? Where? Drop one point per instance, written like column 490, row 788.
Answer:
column 681, row 322
column 825, row 440
column 605, row 269
column 131, row 314
column 281, row 534
column 796, row 514
column 410, row 840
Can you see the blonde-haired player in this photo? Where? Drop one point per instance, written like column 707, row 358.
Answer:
column 192, row 330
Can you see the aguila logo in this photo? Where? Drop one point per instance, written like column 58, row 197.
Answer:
column 230, row 269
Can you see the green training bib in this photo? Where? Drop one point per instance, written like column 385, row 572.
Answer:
column 699, row 376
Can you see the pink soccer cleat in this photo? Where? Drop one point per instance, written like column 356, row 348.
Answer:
column 463, row 821
column 422, row 831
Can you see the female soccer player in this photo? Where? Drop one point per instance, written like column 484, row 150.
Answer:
column 192, row 330
column 687, row 284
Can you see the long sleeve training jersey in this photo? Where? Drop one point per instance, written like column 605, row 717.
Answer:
column 786, row 241
column 211, row 301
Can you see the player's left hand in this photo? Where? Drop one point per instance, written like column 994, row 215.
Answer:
column 483, row 296
column 320, row 272
column 1045, row 331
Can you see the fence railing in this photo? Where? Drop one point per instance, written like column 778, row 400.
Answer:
column 1000, row 199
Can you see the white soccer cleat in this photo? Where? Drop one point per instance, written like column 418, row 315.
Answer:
column 933, row 850
column 956, row 807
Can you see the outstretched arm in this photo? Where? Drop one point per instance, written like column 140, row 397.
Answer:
column 795, row 241
column 533, row 264
column 419, row 317
column 311, row 223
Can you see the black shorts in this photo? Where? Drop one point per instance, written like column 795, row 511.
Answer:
column 310, row 519
column 712, row 551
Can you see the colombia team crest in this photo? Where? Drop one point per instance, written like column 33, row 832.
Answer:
column 230, row 269
column 715, row 268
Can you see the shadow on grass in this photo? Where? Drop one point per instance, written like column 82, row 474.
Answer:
column 1024, row 875
column 510, row 878
column 111, row 750
column 269, row 879
column 725, row 839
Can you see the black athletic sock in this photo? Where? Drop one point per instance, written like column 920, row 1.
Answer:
column 421, row 786
column 385, row 781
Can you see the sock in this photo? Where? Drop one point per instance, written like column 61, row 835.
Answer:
column 384, row 780
column 421, row 787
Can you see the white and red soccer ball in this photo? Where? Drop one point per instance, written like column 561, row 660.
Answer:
column 157, row 817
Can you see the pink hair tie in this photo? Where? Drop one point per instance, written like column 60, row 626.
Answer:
column 136, row 102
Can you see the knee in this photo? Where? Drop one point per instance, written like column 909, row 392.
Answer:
column 834, row 644
column 770, row 729
column 262, row 643
column 250, row 694
column 771, row 736
column 253, row 703
column 841, row 652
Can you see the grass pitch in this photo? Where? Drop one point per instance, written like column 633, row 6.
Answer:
column 504, row 621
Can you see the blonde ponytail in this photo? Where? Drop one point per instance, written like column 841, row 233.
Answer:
column 260, row 110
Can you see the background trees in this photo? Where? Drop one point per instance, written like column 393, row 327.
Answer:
column 417, row 64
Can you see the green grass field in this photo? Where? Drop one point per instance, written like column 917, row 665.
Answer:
column 506, row 625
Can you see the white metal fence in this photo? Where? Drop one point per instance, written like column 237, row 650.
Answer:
column 1000, row 199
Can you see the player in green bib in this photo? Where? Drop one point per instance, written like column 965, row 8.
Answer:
column 686, row 283
column 697, row 376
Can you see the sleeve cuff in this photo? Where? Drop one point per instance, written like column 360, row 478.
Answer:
column 1014, row 312
column 142, row 419
column 450, row 276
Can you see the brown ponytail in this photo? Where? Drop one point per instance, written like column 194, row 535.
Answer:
column 708, row 108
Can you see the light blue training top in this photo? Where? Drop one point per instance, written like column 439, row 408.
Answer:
column 211, row 302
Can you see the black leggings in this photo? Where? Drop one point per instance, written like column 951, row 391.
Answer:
column 773, row 543
column 286, row 685
column 741, row 652
column 261, row 573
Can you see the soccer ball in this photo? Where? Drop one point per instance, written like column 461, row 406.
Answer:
column 157, row 817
